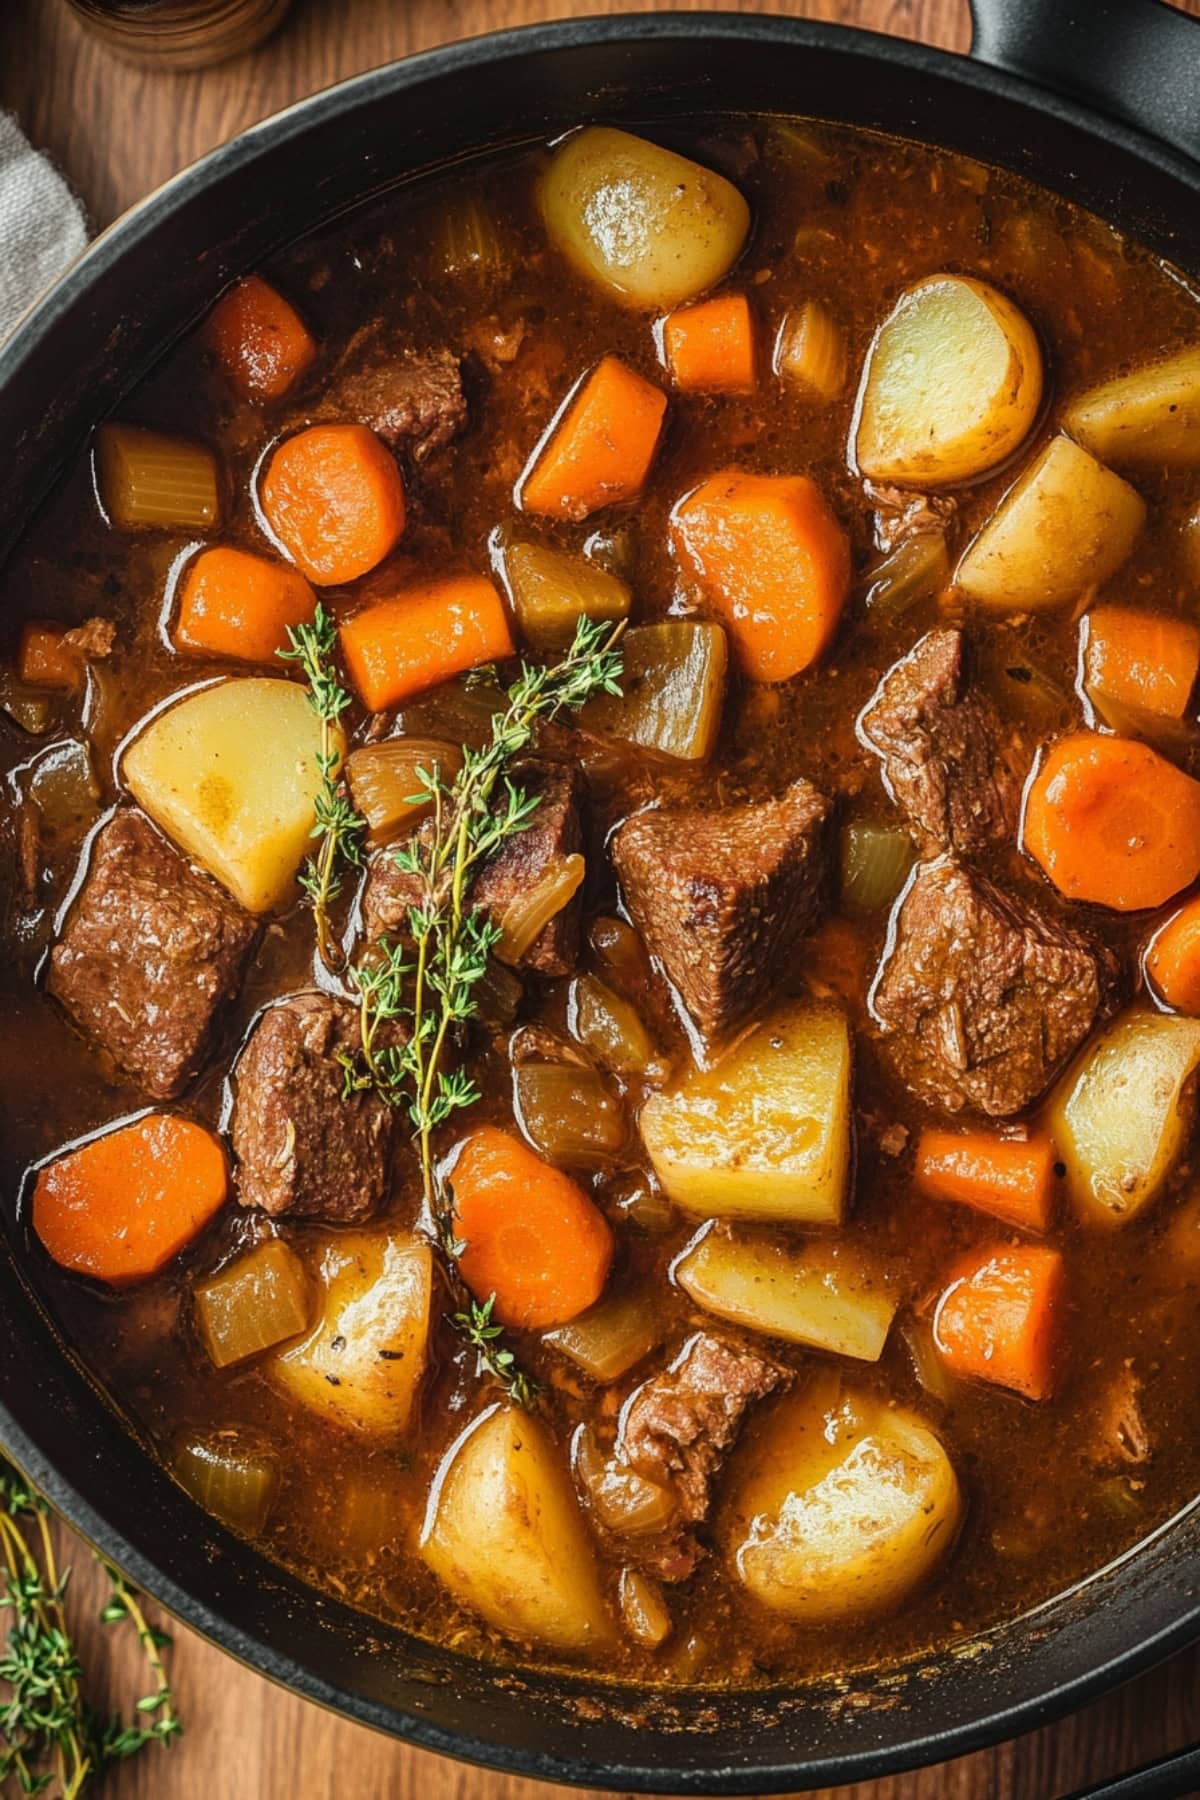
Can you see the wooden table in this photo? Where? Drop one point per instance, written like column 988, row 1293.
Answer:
column 117, row 131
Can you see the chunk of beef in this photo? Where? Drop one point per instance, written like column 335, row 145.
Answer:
column 554, row 832
column 676, row 1428
column 721, row 896
column 942, row 746
column 981, row 998
column 301, row 1147
column 412, row 399
column 151, row 949
column 900, row 514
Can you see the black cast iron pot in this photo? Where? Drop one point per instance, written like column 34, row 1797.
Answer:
column 1098, row 99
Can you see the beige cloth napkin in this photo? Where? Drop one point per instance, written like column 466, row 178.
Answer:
column 42, row 226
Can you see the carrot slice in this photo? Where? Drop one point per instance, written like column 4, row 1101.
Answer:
column 1173, row 959
column 1142, row 660
column 770, row 555
column 533, row 1238
column 44, row 659
column 235, row 604
column 601, row 449
column 998, row 1318
column 1011, row 1178
column 334, row 498
column 709, row 348
column 122, row 1205
column 260, row 340
column 424, row 635
column 1111, row 821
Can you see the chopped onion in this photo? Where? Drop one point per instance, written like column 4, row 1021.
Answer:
column 673, row 684
column 622, row 1499
column 810, row 352
column 386, row 786
column 917, row 569
column 874, row 860
column 260, row 1300
column 552, row 592
column 568, row 1115
column 230, row 1478
column 928, row 1367
column 468, row 240
column 620, row 951
column 527, row 915
column 611, row 1337
column 610, row 1028
column 643, row 1609
column 145, row 478
column 64, row 786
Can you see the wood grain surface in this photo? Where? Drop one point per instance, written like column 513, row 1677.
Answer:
column 117, row 131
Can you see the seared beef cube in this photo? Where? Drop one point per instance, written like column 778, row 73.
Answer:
column 151, row 949
column 303, row 1148
column 412, row 399
column 941, row 744
column 721, row 896
column 553, row 833
column 677, row 1427
column 981, row 998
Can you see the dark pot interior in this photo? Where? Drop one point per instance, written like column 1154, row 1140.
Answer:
column 139, row 286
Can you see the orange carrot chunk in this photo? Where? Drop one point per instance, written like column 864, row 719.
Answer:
column 1142, row 660
column 122, row 1205
column 424, row 635
column 261, row 342
column 334, row 498
column 1011, row 1178
column 709, row 348
column 768, row 552
column 533, row 1238
column 1173, row 959
column 46, row 659
column 998, row 1319
column 1111, row 821
column 235, row 604
column 601, row 449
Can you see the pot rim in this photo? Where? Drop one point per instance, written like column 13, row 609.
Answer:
column 101, row 259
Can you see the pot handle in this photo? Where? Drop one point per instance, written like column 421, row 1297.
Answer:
column 1138, row 60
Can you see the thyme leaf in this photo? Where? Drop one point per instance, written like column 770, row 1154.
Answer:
column 336, row 825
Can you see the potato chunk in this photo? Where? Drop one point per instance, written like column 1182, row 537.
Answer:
column 843, row 1509
column 952, row 385
column 1067, row 524
column 826, row 1296
column 505, row 1534
column 652, row 227
column 230, row 773
column 764, row 1133
column 1151, row 415
column 1120, row 1114
column 361, row 1364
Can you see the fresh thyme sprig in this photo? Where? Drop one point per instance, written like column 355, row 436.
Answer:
column 432, row 985
column 336, row 824
column 51, row 1739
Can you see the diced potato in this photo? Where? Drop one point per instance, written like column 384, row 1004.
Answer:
column 568, row 1115
column 1151, row 415
column 145, row 478
column 674, row 689
column 652, row 227
column 610, row 1337
column 1067, row 524
column 765, row 1133
column 362, row 1363
column 952, row 385
column 843, row 1509
column 610, row 1027
column 385, row 784
column 230, row 773
column 233, row 1478
column 261, row 1299
column 505, row 1534
column 552, row 592
column 826, row 1296
column 1120, row 1114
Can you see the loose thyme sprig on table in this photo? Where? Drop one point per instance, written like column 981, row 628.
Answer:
column 52, row 1742
column 432, row 985
column 336, row 823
